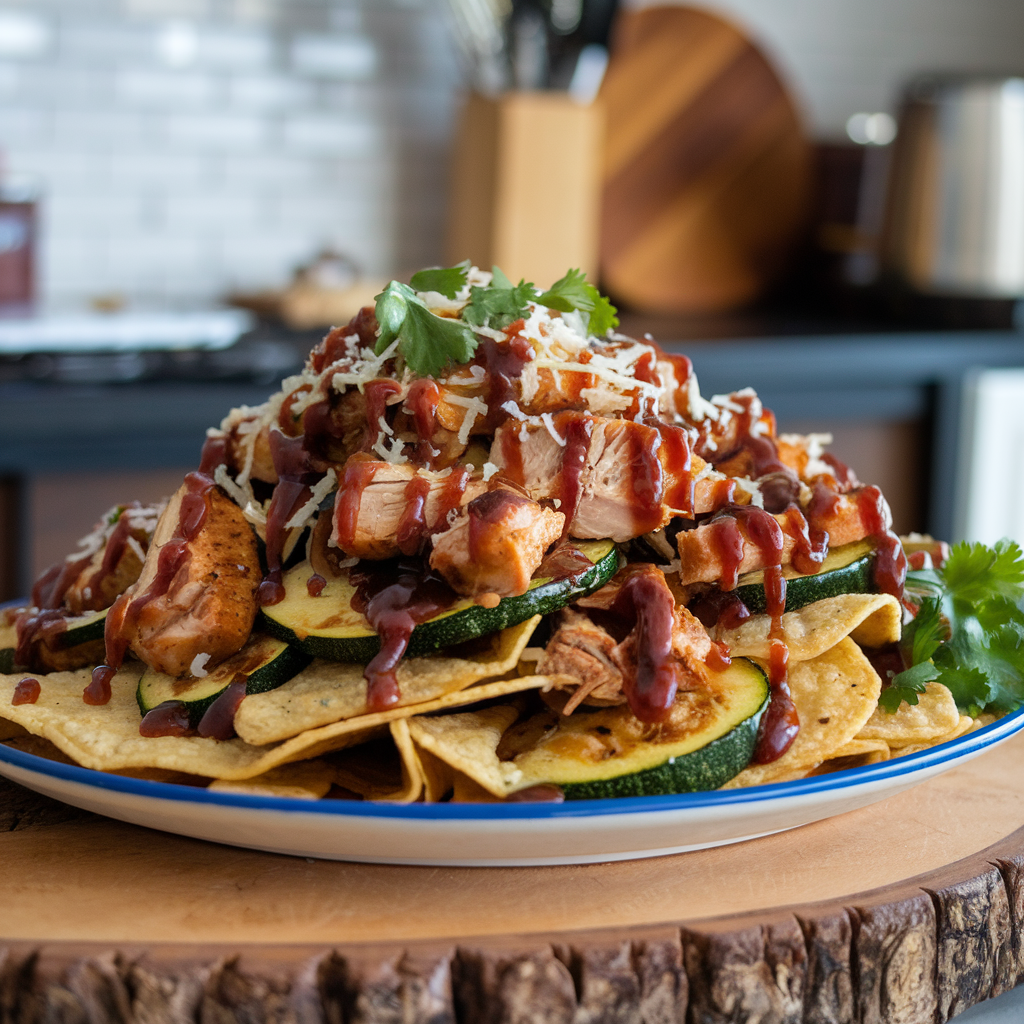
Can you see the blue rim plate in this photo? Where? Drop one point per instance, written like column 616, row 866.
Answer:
column 884, row 771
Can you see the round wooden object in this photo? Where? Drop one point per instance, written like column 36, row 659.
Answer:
column 910, row 910
column 707, row 173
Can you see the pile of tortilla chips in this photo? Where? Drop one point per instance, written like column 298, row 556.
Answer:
column 314, row 738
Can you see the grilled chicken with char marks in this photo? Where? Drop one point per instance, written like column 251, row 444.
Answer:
column 496, row 544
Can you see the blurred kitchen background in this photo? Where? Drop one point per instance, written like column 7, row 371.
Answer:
column 182, row 159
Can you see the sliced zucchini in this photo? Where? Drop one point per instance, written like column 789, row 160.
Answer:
column 81, row 629
column 267, row 663
column 328, row 627
column 846, row 570
column 606, row 752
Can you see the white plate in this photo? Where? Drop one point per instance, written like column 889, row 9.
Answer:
column 509, row 835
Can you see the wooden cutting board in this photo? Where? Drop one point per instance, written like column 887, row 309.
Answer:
column 907, row 911
column 707, row 172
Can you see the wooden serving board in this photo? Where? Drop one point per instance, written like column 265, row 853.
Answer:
column 908, row 911
column 707, row 171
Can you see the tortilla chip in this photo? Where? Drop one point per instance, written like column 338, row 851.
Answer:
column 303, row 780
column 37, row 746
column 330, row 691
column 412, row 773
column 106, row 737
column 871, row 619
column 835, row 694
column 11, row 730
column 934, row 715
column 964, row 726
column 468, row 743
column 871, row 751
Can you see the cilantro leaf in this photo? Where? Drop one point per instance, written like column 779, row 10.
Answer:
column 906, row 685
column 974, row 573
column 427, row 343
column 448, row 281
column 924, row 633
column 574, row 292
column 500, row 304
column 969, row 626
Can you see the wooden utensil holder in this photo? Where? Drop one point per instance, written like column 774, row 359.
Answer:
column 526, row 180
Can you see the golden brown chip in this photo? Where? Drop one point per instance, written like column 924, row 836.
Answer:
column 11, row 730
column 835, row 694
column 964, row 726
column 330, row 691
column 468, row 742
column 106, row 737
column 303, row 780
column 935, row 714
column 871, row 619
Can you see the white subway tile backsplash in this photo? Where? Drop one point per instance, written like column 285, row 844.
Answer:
column 269, row 92
column 216, row 131
column 165, row 89
column 187, row 147
column 24, row 127
column 348, row 56
column 24, row 34
column 341, row 135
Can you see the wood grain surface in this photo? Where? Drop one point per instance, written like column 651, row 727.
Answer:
column 707, row 173
column 909, row 911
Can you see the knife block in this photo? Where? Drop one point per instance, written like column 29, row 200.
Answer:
column 525, row 185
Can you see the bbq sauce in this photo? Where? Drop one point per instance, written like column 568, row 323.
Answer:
column 26, row 692
column 395, row 597
column 172, row 559
column 218, row 721
column 504, row 362
column 170, row 718
column 296, row 475
column 577, row 430
column 564, row 561
column 315, row 585
column 644, row 599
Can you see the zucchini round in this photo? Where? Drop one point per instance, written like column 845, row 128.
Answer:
column 80, row 629
column 846, row 570
column 606, row 752
column 327, row 626
column 267, row 664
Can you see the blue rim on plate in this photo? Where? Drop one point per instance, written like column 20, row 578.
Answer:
column 884, row 770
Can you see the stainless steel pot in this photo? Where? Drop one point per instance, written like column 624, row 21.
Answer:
column 955, row 212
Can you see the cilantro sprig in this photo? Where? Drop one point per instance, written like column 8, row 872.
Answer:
column 968, row 633
column 429, row 343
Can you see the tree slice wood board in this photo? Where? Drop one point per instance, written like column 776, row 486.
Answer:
column 707, row 172
column 910, row 910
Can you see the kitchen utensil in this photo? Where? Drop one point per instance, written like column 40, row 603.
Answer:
column 707, row 173
column 526, row 185
column 955, row 212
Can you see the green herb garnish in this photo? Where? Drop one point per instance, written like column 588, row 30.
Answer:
column 447, row 281
column 574, row 292
column 427, row 343
column 968, row 633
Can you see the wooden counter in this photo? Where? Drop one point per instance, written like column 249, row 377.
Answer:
column 908, row 911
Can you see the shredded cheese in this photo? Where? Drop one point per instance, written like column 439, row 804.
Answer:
column 549, row 424
column 198, row 666
column 320, row 491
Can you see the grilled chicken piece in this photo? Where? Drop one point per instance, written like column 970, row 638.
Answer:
column 624, row 490
column 603, row 669
column 583, row 650
column 210, row 604
column 701, row 550
column 116, row 565
column 380, row 506
column 496, row 544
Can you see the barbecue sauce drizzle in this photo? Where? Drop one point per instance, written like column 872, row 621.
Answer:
column 173, row 557
column 26, row 692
